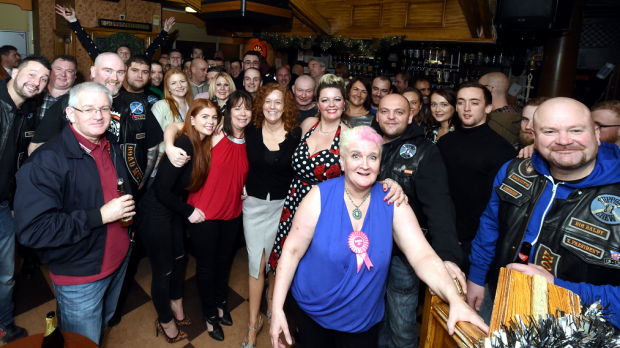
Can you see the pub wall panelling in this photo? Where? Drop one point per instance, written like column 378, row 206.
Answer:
column 420, row 20
column 88, row 13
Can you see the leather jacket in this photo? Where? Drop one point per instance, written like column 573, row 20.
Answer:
column 578, row 241
column 416, row 165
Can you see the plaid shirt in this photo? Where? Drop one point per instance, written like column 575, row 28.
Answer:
column 508, row 108
column 48, row 100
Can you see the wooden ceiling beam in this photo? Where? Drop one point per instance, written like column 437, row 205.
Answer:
column 470, row 11
column 486, row 19
column 309, row 15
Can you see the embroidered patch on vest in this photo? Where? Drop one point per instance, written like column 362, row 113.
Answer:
column 408, row 171
column 526, row 169
column 511, row 191
column 547, row 259
column 589, row 228
column 152, row 99
column 136, row 108
column 519, row 180
column 582, row 246
column 615, row 255
column 29, row 134
column 603, row 207
column 140, row 135
column 132, row 164
column 407, row 151
column 138, row 117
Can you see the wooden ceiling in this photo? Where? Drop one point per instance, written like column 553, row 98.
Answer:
column 421, row 20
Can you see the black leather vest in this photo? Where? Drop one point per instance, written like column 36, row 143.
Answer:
column 130, row 127
column 400, row 163
column 579, row 239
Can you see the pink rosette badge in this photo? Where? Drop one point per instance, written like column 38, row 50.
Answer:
column 359, row 243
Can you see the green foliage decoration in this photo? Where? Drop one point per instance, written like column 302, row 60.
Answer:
column 336, row 44
column 115, row 41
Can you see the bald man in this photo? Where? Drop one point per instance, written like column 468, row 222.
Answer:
column 498, row 84
column 606, row 115
column 407, row 151
column 304, row 96
column 199, row 69
column 563, row 202
column 283, row 76
column 504, row 119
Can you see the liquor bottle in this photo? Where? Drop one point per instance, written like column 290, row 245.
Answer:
column 120, row 185
column 465, row 58
column 467, row 76
column 52, row 338
column 524, row 254
column 472, row 58
column 370, row 67
column 500, row 61
column 487, row 59
column 403, row 61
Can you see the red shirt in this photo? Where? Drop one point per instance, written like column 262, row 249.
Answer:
column 220, row 197
column 117, row 238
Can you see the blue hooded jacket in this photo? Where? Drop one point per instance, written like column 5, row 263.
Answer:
column 606, row 171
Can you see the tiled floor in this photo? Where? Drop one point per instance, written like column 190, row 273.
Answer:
column 35, row 297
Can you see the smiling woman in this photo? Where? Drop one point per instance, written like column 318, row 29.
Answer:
column 339, row 252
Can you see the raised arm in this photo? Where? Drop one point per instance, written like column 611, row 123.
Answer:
column 429, row 267
column 297, row 243
column 154, row 46
column 68, row 13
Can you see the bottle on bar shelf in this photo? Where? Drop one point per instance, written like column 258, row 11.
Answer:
column 524, row 254
column 52, row 338
column 124, row 222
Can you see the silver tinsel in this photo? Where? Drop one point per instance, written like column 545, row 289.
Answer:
column 590, row 329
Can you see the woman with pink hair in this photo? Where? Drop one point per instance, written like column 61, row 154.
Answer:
column 338, row 252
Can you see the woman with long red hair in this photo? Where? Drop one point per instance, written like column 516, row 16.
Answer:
column 163, row 209
column 178, row 97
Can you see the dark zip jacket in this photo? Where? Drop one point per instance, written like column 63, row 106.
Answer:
column 58, row 202
column 416, row 165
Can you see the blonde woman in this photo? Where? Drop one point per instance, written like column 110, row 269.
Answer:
column 220, row 88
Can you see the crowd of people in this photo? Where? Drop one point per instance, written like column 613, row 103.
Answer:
column 349, row 192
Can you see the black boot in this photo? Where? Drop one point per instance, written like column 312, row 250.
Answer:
column 217, row 333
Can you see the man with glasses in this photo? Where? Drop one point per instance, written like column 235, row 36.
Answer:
column 251, row 59
column 606, row 115
column 73, row 224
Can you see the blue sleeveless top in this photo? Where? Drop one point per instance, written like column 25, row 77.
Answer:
column 327, row 286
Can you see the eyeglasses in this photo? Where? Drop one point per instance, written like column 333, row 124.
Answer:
column 607, row 125
column 91, row 112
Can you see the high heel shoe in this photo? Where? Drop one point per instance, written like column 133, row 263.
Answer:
column 180, row 335
column 217, row 333
column 225, row 319
column 258, row 327
column 185, row 322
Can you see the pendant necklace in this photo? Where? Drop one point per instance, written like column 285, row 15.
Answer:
column 357, row 213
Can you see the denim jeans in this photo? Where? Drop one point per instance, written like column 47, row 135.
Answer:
column 399, row 328
column 86, row 308
column 7, row 263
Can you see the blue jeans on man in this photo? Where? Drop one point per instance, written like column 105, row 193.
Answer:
column 399, row 328
column 7, row 264
column 86, row 308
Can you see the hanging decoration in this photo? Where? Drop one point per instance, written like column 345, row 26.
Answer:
column 591, row 329
column 338, row 44
column 114, row 41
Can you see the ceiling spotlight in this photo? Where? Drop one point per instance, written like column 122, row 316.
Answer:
column 189, row 9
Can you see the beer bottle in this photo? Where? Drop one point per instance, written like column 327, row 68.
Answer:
column 121, row 189
column 524, row 253
column 52, row 338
